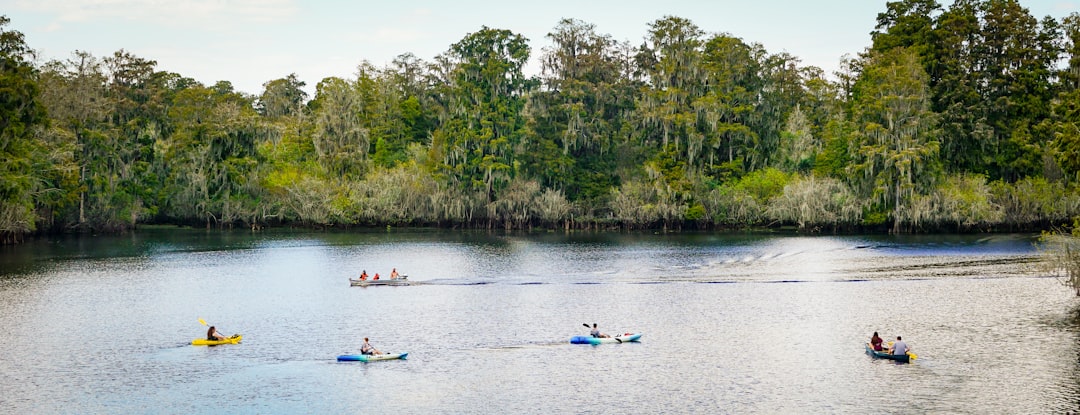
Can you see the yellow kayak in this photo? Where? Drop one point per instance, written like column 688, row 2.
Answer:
column 204, row 342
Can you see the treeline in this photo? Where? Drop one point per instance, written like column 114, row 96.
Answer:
column 958, row 119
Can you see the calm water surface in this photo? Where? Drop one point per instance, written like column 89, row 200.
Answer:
column 732, row 324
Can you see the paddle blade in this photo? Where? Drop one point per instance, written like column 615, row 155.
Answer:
column 913, row 356
column 586, row 325
column 201, row 321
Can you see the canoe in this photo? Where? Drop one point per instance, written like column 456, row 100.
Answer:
column 402, row 280
column 371, row 357
column 204, row 342
column 884, row 354
column 622, row 338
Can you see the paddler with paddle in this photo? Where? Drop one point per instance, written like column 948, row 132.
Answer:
column 596, row 332
column 212, row 334
column 368, row 349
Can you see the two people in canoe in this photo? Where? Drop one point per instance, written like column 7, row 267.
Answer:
column 898, row 347
column 368, row 349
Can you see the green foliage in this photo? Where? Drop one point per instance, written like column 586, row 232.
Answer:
column 895, row 145
column 282, row 97
column 675, row 81
column 484, row 105
column 1035, row 200
column 734, row 206
column 991, row 68
column 212, row 156
column 811, row 203
column 835, row 155
column 691, row 128
column 695, row 213
column 763, row 185
column 1070, row 75
column 875, row 216
column 342, row 136
column 963, row 201
column 727, row 171
column 798, row 146
column 574, row 120
column 1066, row 127
column 21, row 113
column 726, row 109
column 905, row 24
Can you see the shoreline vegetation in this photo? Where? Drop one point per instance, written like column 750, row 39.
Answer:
column 958, row 119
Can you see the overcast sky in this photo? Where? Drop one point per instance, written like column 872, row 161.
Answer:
column 250, row 42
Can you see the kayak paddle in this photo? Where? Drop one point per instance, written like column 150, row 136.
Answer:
column 203, row 322
column 589, row 327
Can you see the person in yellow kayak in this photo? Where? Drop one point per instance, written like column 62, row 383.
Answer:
column 368, row 349
column 394, row 274
column 212, row 334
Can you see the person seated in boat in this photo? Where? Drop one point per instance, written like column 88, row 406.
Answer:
column 899, row 347
column 596, row 332
column 368, row 349
column 394, row 274
column 376, row 277
column 363, row 275
column 875, row 342
column 212, row 334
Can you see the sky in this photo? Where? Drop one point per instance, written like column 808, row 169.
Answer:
column 250, row 42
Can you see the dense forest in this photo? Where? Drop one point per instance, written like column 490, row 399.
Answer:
column 956, row 119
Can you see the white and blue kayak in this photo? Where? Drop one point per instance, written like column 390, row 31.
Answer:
column 622, row 338
column 371, row 357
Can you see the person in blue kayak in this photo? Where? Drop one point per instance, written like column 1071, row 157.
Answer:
column 212, row 334
column 899, row 347
column 596, row 332
column 875, row 342
column 368, row 349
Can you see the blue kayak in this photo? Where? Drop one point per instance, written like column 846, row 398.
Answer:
column 622, row 338
column 371, row 357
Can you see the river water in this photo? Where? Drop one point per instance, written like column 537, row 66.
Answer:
column 732, row 324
